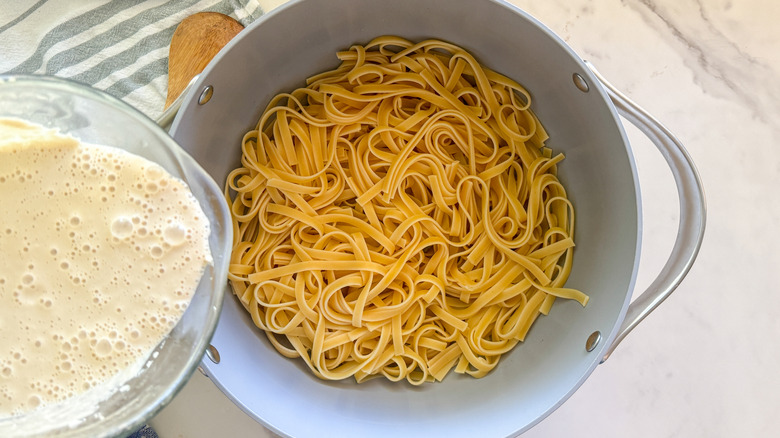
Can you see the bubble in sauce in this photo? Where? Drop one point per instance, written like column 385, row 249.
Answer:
column 175, row 234
column 28, row 279
column 154, row 172
column 103, row 347
column 122, row 227
column 156, row 251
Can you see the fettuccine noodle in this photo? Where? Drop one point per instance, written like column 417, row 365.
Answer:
column 400, row 216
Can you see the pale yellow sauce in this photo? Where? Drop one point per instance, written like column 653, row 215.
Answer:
column 100, row 253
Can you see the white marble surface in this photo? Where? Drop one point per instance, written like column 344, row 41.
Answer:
column 704, row 364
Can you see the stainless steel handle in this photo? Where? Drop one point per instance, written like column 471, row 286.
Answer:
column 166, row 118
column 693, row 210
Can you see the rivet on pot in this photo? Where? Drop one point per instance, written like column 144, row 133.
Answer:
column 212, row 353
column 205, row 95
column 580, row 82
column 593, row 341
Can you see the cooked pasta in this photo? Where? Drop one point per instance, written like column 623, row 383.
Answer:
column 400, row 216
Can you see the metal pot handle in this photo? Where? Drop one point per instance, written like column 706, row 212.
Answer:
column 693, row 210
column 166, row 118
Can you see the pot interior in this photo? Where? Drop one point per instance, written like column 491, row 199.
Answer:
column 299, row 39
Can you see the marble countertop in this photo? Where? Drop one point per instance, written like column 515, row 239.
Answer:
column 704, row 364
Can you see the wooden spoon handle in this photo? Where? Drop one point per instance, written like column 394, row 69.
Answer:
column 196, row 41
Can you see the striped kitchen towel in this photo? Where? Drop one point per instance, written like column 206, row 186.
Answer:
column 144, row 432
column 118, row 46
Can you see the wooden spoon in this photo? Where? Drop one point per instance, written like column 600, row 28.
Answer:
column 196, row 41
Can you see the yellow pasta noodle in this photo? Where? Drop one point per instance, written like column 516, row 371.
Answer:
column 400, row 216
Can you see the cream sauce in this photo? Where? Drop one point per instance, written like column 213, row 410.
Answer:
column 100, row 254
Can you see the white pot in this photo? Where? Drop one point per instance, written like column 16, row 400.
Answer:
column 281, row 49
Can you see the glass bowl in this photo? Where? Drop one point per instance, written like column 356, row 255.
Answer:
column 95, row 117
